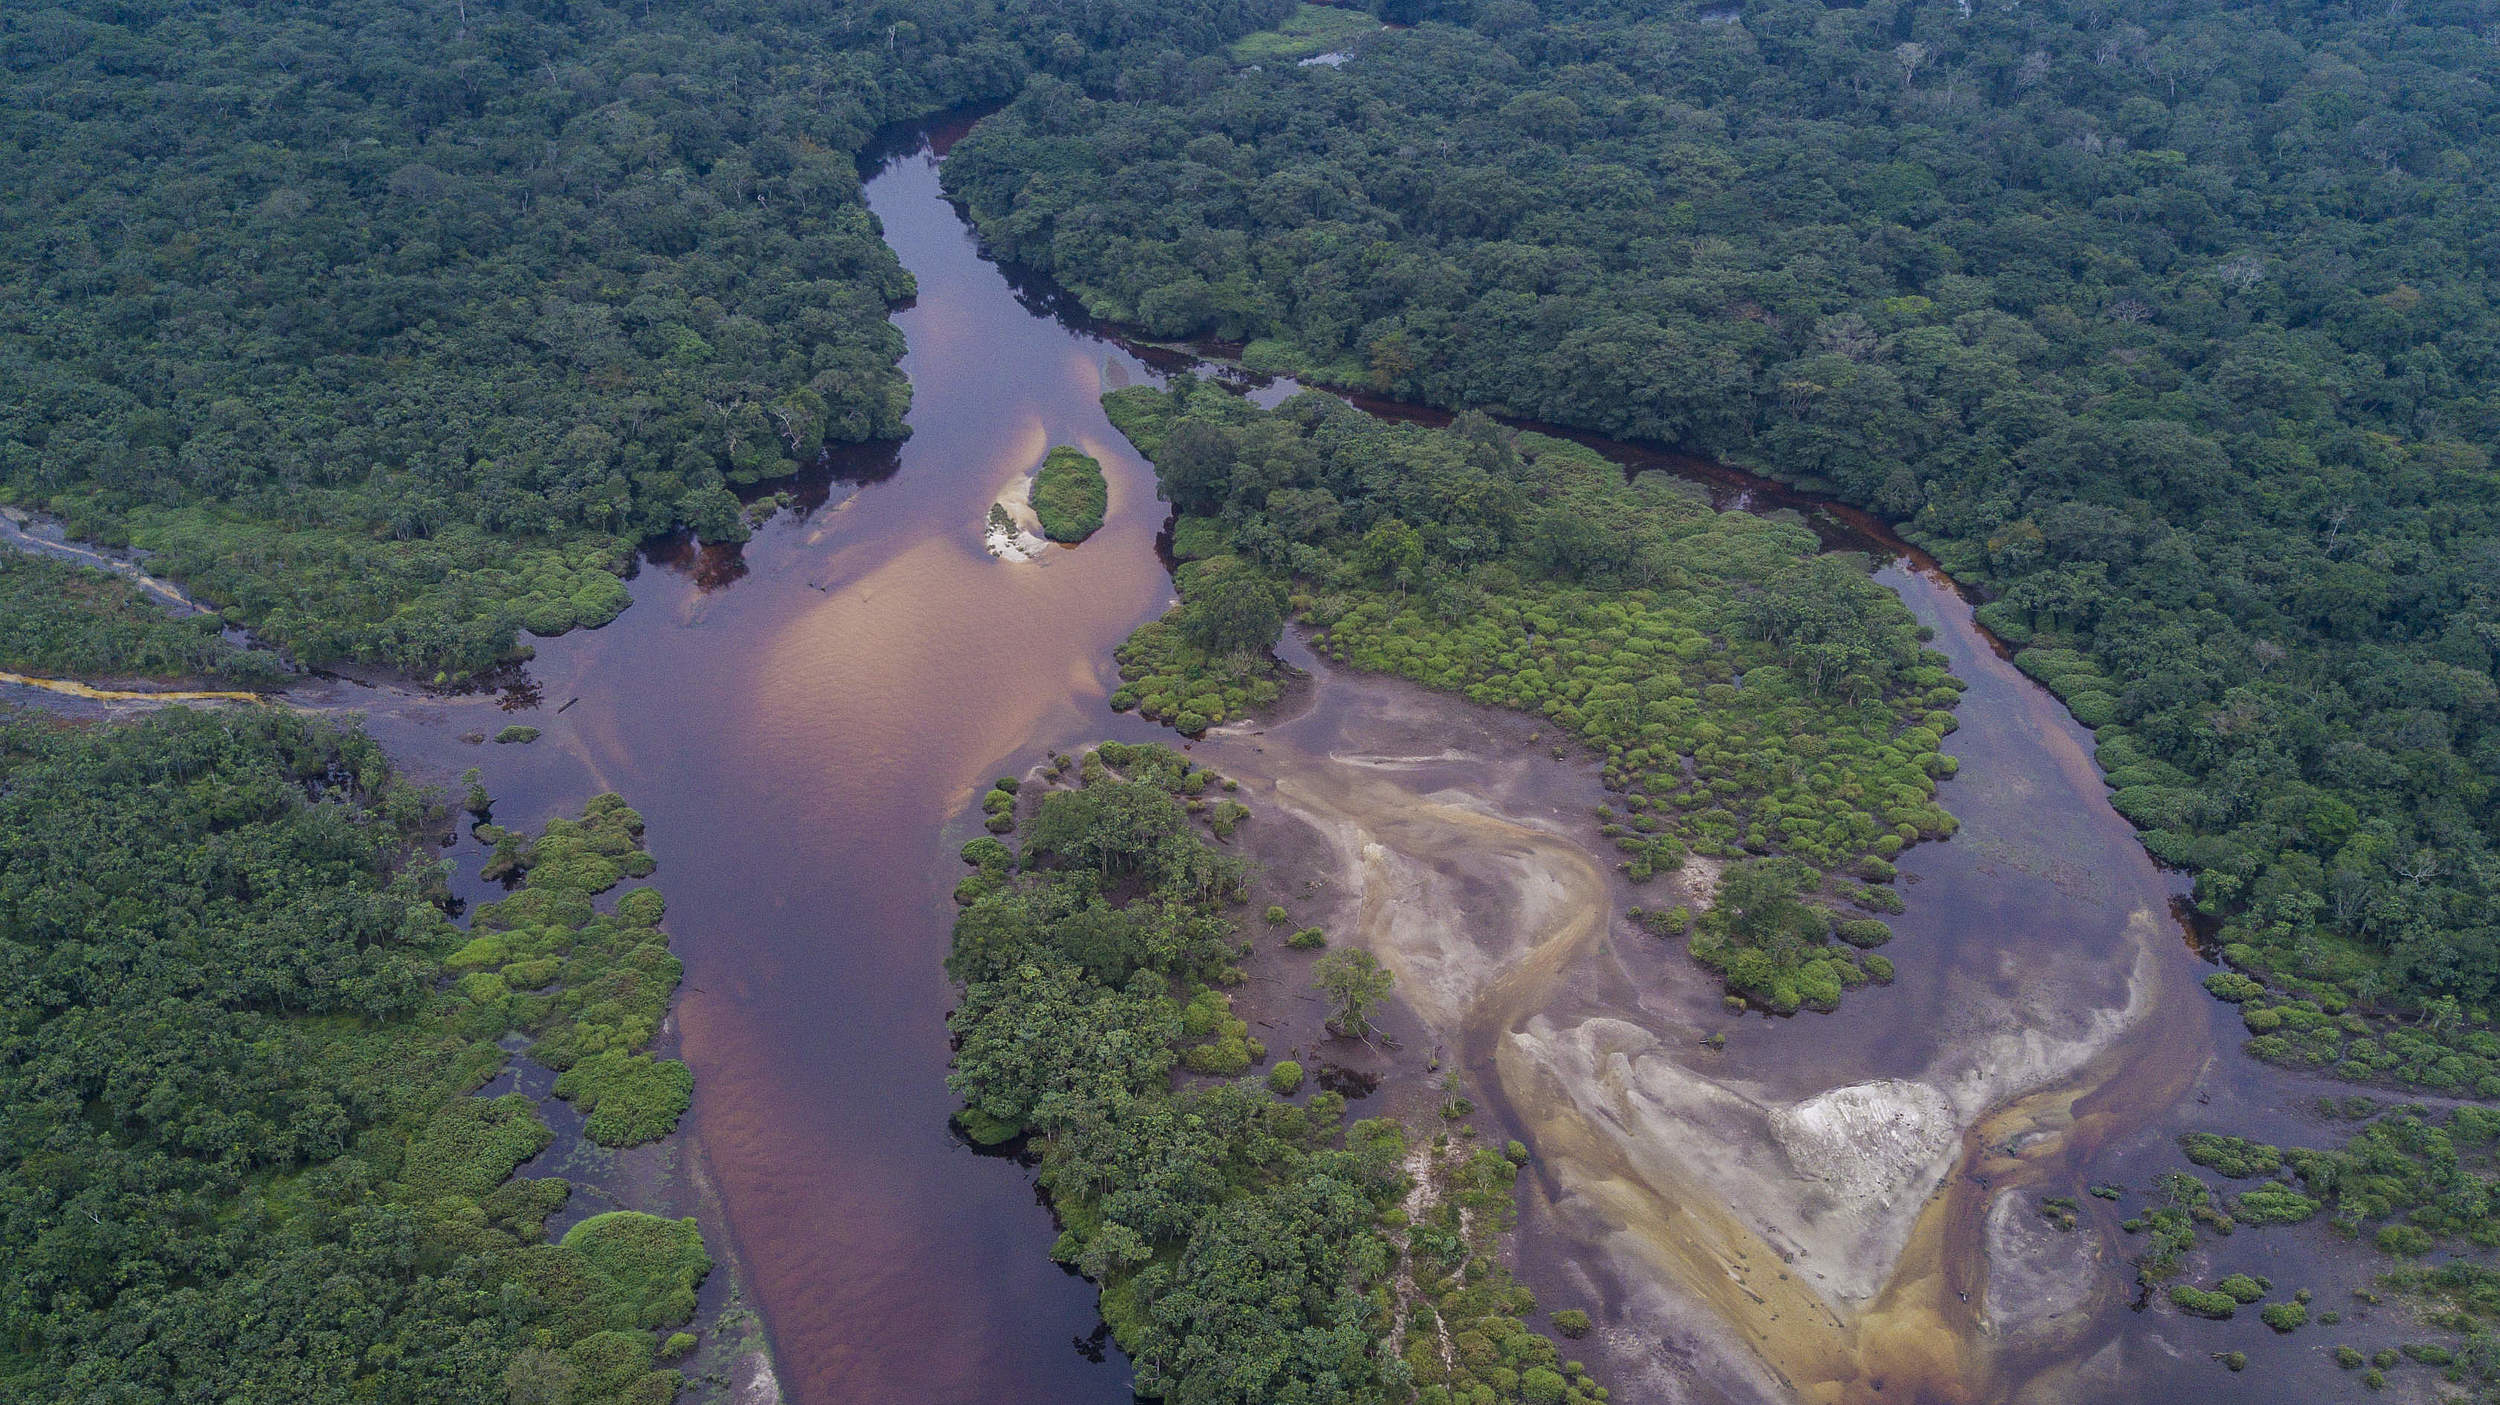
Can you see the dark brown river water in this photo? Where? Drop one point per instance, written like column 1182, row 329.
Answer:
column 799, row 741
column 805, row 723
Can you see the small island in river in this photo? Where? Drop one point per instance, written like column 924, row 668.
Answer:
column 1069, row 495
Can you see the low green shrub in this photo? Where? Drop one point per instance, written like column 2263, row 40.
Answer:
column 2243, row 1288
column 630, row 1098
column 2236, row 1157
column 2232, row 986
column 1070, row 495
column 2197, row 1302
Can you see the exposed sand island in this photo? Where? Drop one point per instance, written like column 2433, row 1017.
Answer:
column 1013, row 531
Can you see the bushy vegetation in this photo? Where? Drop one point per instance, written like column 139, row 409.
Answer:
column 391, row 326
column 1245, row 1245
column 1192, row 671
column 2407, row 1182
column 1773, row 947
column 2444, row 1050
column 592, row 987
column 56, row 618
column 2171, row 327
column 1749, row 696
column 1069, row 494
column 2406, row 1179
column 2459, row 1298
column 242, row 1159
column 2180, row 1203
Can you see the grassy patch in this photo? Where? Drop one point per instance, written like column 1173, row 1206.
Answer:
column 647, row 1267
column 631, row 1098
column 1309, row 31
column 473, row 1145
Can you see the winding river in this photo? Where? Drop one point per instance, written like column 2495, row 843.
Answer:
column 806, row 722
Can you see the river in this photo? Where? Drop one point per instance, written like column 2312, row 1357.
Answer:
column 800, row 733
column 806, row 721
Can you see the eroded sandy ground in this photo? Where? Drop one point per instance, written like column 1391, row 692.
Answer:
column 1754, row 1223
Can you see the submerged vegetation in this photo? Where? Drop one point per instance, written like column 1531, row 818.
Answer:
column 1069, row 495
column 1250, row 1248
column 243, row 1159
column 1749, row 696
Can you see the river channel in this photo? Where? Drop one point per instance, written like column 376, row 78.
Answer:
column 805, row 723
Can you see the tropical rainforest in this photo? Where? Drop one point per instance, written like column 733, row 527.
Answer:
column 243, row 1161
column 390, row 326
column 2172, row 328
column 57, row 618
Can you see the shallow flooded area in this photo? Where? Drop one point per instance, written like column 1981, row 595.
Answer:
column 1803, row 1209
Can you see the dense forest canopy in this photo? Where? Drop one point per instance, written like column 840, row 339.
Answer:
column 391, row 324
column 2172, row 326
column 240, row 1160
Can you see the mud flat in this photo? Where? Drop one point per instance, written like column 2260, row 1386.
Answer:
column 1831, row 1207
